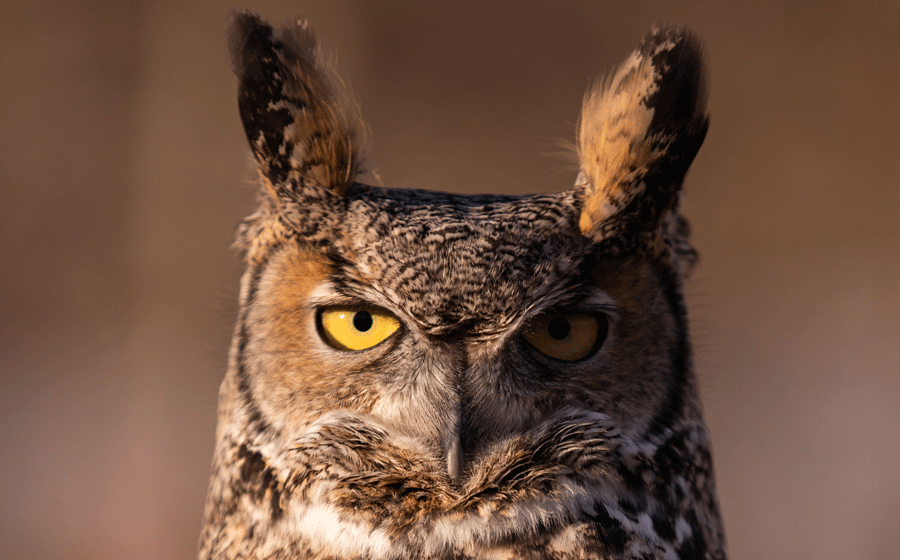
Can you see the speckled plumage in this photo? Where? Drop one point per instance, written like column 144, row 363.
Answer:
column 455, row 437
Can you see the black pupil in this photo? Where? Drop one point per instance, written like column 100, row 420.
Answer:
column 362, row 321
column 559, row 327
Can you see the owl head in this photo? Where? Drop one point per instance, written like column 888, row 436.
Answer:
column 415, row 354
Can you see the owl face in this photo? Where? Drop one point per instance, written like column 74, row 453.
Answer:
column 421, row 374
column 459, row 322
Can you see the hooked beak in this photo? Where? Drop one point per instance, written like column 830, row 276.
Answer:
column 454, row 456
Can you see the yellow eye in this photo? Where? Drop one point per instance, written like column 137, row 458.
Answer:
column 567, row 336
column 356, row 328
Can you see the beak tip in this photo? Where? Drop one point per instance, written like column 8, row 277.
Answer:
column 454, row 461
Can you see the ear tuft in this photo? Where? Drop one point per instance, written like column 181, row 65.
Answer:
column 639, row 132
column 301, row 119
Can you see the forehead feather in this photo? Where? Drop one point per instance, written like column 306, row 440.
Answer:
column 463, row 258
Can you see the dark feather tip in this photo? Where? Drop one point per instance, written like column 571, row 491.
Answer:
column 249, row 36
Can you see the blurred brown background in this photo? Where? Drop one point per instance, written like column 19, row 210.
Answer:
column 124, row 170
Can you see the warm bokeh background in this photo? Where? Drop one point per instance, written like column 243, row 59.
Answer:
column 124, row 170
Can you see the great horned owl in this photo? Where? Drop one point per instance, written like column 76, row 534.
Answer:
column 422, row 375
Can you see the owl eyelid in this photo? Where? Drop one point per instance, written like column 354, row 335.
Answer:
column 608, row 313
column 355, row 305
column 325, row 297
column 599, row 300
column 586, row 307
column 596, row 300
